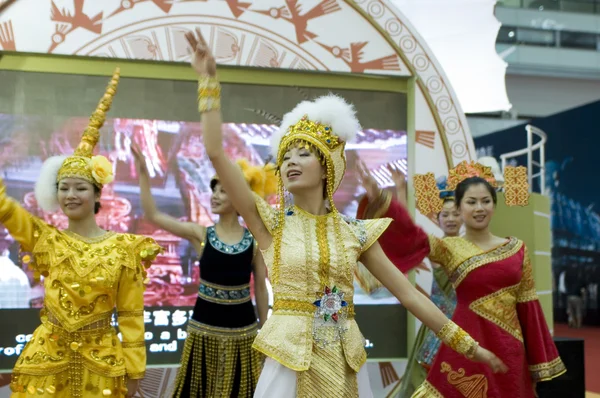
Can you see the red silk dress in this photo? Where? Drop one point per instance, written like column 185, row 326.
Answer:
column 497, row 305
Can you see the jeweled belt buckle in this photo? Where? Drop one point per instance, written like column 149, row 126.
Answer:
column 330, row 304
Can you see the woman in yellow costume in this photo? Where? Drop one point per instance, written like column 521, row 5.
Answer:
column 88, row 272
column 218, row 360
column 312, row 342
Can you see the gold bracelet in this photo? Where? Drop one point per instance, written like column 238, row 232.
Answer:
column 209, row 94
column 457, row 339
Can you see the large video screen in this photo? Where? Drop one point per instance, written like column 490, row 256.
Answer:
column 180, row 174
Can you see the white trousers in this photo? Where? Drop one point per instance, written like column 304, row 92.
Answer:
column 277, row 381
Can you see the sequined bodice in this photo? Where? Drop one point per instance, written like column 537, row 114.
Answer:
column 318, row 257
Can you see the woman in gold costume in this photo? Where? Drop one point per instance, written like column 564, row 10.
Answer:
column 88, row 272
column 223, row 325
column 312, row 342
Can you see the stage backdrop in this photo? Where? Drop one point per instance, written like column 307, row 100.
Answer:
column 572, row 184
column 180, row 174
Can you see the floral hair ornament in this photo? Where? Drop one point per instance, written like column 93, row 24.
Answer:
column 428, row 194
column 97, row 170
column 262, row 180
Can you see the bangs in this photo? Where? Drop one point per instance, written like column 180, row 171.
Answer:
column 213, row 183
column 302, row 144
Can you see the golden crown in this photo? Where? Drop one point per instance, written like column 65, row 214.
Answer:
column 306, row 130
column 427, row 193
column 82, row 164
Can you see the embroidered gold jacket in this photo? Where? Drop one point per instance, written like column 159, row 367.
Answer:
column 315, row 251
column 85, row 280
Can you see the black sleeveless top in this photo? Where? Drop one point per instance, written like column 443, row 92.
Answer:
column 224, row 291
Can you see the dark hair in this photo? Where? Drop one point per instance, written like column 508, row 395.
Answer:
column 464, row 185
column 445, row 200
column 213, row 184
column 97, row 205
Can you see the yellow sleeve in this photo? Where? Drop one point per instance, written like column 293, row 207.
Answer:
column 130, row 306
column 438, row 251
column 367, row 231
column 17, row 220
column 267, row 213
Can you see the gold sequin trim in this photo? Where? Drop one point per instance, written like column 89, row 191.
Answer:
column 243, row 332
column 375, row 228
column 505, row 251
column 500, row 308
column 527, row 290
column 324, row 255
column 221, row 294
column 298, row 307
column 135, row 376
column 130, row 314
column 426, row 390
column 457, row 339
column 213, row 359
column 108, row 359
column 548, row 370
column 133, row 344
column 96, row 239
column 475, row 386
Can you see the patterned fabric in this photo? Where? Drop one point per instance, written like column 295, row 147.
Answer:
column 445, row 300
column 218, row 360
column 316, row 252
column 85, row 280
column 496, row 304
column 236, row 248
column 212, row 356
column 498, row 307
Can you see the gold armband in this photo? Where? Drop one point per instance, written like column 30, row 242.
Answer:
column 209, row 94
column 457, row 339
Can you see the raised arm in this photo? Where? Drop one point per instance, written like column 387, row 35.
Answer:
column 421, row 307
column 20, row 223
column 186, row 230
column 260, row 287
column 230, row 175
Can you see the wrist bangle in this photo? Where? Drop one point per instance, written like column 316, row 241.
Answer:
column 209, row 94
column 457, row 339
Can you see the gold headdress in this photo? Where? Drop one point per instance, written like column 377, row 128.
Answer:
column 82, row 164
column 262, row 180
column 324, row 125
column 516, row 186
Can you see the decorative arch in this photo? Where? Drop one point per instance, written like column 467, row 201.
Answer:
column 362, row 36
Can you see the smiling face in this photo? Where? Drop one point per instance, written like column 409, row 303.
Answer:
column 450, row 219
column 219, row 201
column 477, row 206
column 77, row 198
column 301, row 169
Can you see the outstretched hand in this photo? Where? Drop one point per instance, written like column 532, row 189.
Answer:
column 367, row 180
column 138, row 157
column 202, row 59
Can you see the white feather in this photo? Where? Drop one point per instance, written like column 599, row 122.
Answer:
column 46, row 192
column 330, row 110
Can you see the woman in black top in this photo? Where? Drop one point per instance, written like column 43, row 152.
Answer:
column 218, row 360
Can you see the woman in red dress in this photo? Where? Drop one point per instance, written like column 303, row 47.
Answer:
column 496, row 297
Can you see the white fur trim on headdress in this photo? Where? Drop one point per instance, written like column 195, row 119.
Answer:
column 46, row 192
column 330, row 110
